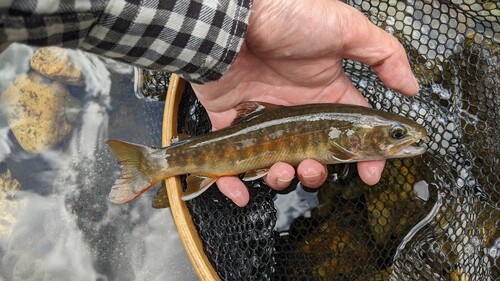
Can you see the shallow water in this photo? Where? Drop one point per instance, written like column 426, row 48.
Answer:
column 63, row 227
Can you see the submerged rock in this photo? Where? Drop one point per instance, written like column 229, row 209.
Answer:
column 478, row 69
column 393, row 204
column 377, row 275
column 8, row 204
column 55, row 63
column 338, row 251
column 36, row 112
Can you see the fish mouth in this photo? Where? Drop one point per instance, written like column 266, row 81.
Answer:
column 408, row 148
column 408, row 151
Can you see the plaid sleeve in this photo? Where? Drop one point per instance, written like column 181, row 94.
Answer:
column 198, row 39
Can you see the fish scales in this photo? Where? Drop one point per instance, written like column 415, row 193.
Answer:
column 264, row 135
column 243, row 151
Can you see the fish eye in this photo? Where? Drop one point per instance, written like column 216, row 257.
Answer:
column 398, row 132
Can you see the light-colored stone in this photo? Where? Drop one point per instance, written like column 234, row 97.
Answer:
column 55, row 63
column 36, row 112
column 8, row 204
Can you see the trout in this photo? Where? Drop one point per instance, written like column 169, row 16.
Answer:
column 261, row 135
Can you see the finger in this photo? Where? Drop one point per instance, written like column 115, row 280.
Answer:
column 280, row 176
column 311, row 173
column 369, row 44
column 371, row 171
column 234, row 189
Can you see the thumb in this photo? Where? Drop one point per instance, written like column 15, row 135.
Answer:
column 365, row 42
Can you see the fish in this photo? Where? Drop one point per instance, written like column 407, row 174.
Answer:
column 261, row 135
column 160, row 200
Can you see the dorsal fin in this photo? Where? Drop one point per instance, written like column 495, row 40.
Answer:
column 250, row 109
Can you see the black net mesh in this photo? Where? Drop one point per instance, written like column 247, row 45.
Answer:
column 150, row 84
column 433, row 217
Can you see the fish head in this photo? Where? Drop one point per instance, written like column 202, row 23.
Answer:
column 386, row 136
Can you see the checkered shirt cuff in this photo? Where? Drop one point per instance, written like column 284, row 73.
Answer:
column 198, row 39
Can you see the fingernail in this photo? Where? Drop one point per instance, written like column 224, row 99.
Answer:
column 374, row 176
column 313, row 178
column 241, row 205
column 234, row 196
column 282, row 183
column 372, row 171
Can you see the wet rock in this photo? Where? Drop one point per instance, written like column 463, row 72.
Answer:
column 378, row 275
column 342, row 182
column 338, row 248
column 462, row 233
column 393, row 205
column 478, row 69
column 8, row 204
column 36, row 112
column 55, row 63
column 28, row 268
column 338, row 251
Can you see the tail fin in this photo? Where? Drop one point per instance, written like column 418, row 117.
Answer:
column 138, row 170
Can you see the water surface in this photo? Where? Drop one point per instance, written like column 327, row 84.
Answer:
column 63, row 226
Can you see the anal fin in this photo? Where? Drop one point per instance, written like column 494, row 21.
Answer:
column 254, row 174
column 196, row 185
column 160, row 200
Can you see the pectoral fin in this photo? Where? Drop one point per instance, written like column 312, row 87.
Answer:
column 196, row 185
column 340, row 154
column 254, row 174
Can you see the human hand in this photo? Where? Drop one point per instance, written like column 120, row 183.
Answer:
column 293, row 54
